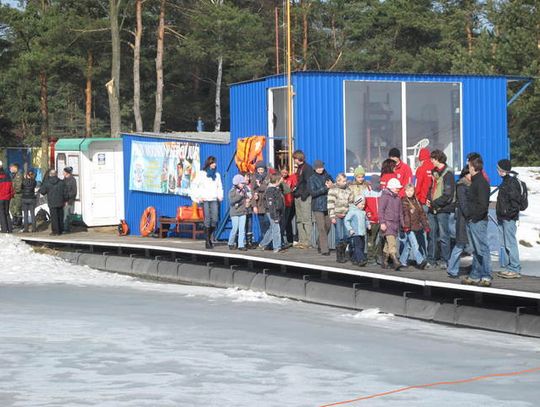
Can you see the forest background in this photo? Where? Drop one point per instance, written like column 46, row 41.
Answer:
column 73, row 68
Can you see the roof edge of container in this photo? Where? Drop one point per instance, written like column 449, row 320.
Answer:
column 510, row 78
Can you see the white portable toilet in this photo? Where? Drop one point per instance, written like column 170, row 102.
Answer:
column 98, row 167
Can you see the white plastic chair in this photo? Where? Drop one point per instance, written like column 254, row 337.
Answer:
column 414, row 152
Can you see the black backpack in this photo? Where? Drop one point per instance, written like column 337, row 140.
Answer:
column 523, row 196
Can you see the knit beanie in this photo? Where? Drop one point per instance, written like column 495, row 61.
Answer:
column 424, row 154
column 504, row 165
column 238, row 179
column 359, row 171
column 318, row 164
column 260, row 164
column 394, row 152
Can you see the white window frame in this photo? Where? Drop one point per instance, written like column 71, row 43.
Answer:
column 403, row 116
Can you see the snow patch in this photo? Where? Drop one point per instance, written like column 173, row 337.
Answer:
column 371, row 313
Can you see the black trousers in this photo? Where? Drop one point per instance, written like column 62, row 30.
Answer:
column 286, row 224
column 5, row 220
column 359, row 246
column 57, row 220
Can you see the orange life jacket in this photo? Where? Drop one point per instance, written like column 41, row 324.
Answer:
column 249, row 150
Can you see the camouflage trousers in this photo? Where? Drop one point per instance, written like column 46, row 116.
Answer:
column 15, row 206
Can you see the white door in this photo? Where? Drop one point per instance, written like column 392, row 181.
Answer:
column 103, row 187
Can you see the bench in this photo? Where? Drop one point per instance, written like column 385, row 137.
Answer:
column 191, row 226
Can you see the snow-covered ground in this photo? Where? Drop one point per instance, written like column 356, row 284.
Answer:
column 529, row 224
column 73, row 336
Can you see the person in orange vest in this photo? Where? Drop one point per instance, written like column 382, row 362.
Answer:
column 402, row 170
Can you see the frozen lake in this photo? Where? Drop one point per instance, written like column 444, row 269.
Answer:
column 72, row 336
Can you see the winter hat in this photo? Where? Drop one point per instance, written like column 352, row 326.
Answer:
column 260, row 164
column 424, row 154
column 69, row 170
column 358, row 199
column 318, row 164
column 394, row 184
column 359, row 171
column 238, row 179
column 394, row 152
column 504, row 165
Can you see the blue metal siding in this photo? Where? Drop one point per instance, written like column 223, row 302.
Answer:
column 135, row 202
column 319, row 113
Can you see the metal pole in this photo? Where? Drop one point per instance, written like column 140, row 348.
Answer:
column 289, row 89
column 276, row 13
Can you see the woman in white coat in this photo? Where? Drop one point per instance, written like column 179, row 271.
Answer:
column 208, row 190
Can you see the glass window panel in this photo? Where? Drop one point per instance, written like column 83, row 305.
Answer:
column 433, row 117
column 372, row 123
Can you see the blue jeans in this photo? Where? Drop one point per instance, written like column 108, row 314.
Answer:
column 410, row 244
column 509, row 245
column 359, row 252
column 264, row 224
column 440, row 231
column 481, row 267
column 238, row 226
column 273, row 234
column 341, row 232
column 210, row 209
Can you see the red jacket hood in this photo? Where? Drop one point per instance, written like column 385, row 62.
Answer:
column 424, row 154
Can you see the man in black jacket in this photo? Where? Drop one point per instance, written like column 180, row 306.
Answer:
column 274, row 205
column 477, row 226
column 53, row 187
column 70, row 186
column 302, row 200
column 508, row 205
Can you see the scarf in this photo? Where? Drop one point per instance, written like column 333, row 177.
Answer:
column 211, row 173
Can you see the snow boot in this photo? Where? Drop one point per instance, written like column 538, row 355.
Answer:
column 384, row 262
column 395, row 261
column 341, row 252
column 249, row 241
column 208, row 235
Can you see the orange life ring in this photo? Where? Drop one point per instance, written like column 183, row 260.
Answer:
column 148, row 221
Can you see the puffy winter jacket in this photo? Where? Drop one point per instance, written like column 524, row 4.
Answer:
column 29, row 188
column 237, row 201
column 319, row 191
column 291, row 181
column 414, row 217
column 508, row 198
column 390, row 213
column 205, row 188
column 53, row 187
column 6, row 187
column 338, row 201
column 356, row 221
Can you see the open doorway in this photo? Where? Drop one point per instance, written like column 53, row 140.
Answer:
column 278, row 151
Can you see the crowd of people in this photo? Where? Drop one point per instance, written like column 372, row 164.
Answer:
column 398, row 220
column 19, row 196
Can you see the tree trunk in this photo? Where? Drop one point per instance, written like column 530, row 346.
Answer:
column 136, row 69
column 217, row 126
column 113, row 86
column 44, row 110
column 305, row 11
column 88, row 94
column 159, row 68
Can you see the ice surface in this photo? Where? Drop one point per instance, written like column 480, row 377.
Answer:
column 73, row 336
